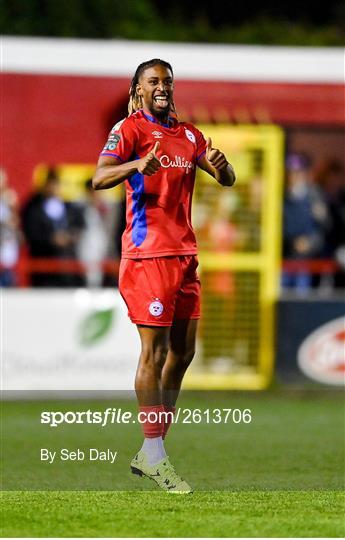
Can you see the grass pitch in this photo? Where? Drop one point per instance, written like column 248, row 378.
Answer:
column 155, row 514
column 279, row 476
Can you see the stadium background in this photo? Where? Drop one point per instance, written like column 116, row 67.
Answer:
column 61, row 95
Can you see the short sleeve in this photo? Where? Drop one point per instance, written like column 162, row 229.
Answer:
column 200, row 143
column 121, row 141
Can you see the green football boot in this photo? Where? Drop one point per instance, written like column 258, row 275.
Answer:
column 163, row 473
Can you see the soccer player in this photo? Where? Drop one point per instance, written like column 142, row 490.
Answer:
column 156, row 155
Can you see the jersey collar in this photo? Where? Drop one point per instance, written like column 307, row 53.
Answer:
column 171, row 119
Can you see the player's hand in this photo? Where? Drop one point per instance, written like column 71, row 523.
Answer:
column 150, row 164
column 215, row 157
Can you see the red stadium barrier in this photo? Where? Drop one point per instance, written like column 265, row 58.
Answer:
column 27, row 265
column 313, row 266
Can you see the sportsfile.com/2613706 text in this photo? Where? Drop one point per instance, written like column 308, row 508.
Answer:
column 121, row 416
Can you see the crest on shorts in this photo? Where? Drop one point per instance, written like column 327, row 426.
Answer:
column 156, row 308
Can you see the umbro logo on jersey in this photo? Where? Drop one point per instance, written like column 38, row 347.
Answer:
column 157, row 134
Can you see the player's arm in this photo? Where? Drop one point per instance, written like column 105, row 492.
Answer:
column 110, row 171
column 215, row 163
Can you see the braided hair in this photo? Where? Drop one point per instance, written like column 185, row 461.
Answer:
column 135, row 101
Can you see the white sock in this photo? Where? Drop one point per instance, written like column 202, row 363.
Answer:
column 154, row 450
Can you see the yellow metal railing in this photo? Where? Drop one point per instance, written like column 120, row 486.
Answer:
column 246, row 260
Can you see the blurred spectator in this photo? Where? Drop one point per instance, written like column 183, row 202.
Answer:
column 51, row 228
column 9, row 232
column 305, row 221
column 330, row 177
column 93, row 244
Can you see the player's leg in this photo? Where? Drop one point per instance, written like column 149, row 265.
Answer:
column 180, row 355
column 148, row 387
column 151, row 460
column 154, row 349
column 182, row 335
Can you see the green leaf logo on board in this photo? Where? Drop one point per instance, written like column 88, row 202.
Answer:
column 95, row 327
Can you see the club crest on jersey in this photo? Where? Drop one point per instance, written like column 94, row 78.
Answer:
column 156, row 308
column 190, row 136
column 157, row 134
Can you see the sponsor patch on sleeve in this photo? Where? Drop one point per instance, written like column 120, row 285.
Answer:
column 112, row 142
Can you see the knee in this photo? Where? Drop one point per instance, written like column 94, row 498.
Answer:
column 154, row 356
column 188, row 356
column 182, row 359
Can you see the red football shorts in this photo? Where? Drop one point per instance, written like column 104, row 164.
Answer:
column 160, row 290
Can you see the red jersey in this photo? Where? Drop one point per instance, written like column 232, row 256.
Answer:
column 158, row 215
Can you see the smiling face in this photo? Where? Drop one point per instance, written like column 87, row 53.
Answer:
column 156, row 90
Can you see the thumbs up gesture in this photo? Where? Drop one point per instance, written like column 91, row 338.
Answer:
column 215, row 157
column 149, row 164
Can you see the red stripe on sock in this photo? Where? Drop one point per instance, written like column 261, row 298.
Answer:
column 151, row 421
column 168, row 419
